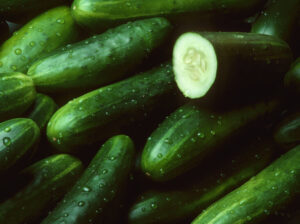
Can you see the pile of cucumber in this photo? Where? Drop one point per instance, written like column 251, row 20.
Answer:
column 149, row 112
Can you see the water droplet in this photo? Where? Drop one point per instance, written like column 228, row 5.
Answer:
column 104, row 171
column 86, row 189
column 112, row 158
column 13, row 67
column 193, row 140
column 60, row 21
column 58, row 34
column 168, row 141
column 101, row 185
column 81, row 203
column 86, row 42
column 201, row 135
column 154, row 205
column 66, row 215
column 212, row 132
column 292, row 171
column 159, row 155
column 18, row 51
column 179, row 155
column 105, row 199
column 8, row 129
column 161, row 170
column 277, row 173
column 6, row 141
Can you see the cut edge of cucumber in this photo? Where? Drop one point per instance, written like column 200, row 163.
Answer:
column 195, row 65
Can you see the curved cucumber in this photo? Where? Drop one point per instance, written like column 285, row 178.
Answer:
column 278, row 19
column 46, row 182
column 17, row 140
column 191, row 133
column 261, row 195
column 41, row 35
column 92, row 117
column 229, row 64
column 42, row 110
column 292, row 78
column 100, row 185
column 17, row 93
column 158, row 207
column 100, row 14
column 100, row 59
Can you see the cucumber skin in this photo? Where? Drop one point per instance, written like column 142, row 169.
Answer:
column 261, row 195
column 191, row 199
column 39, row 36
column 278, row 19
column 101, row 59
column 23, row 135
column 91, row 117
column 292, row 78
column 190, row 134
column 42, row 110
column 101, row 14
column 101, row 184
column 47, row 181
column 17, row 93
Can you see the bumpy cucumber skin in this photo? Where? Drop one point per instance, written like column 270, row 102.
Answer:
column 18, row 137
column 47, row 181
column 101, row 184
column 191, row 133
column 292, row 78
column 43, row 34
column 189, row 201
column 17, row 93
column 101, row 59
column 42, row 110
column 278, row 19
column 91, row 117
column 101, row 14
column 287, row 133
column 261, row 195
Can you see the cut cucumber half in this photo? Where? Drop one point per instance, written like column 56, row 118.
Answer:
column 195, row 64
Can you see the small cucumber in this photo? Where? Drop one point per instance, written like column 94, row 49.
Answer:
column 90, row 200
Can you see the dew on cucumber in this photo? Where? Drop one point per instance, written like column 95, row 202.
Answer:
column 81, row 203
column 7, row 129
column 18, row 51
column 6, row 141
column 86, row 189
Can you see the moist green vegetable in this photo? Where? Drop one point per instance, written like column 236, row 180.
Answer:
column 42, row 110
column 101, row 14
column 43, row 34
column 91, row 199
column 261, row 195
column 292, row 78
column 18, row 138
column 100, row 59
column 229, row 64
column 278, row 19
column 93, row 116
column 191, row 133
column 221, row 178
column 287, row 133
column 17, row 93
column 45, row 183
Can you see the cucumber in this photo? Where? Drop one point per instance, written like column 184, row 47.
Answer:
column 191, row 133
column 278, row 19
column 100, row 59
column 292, row 78
column 226, row 64
column 17, row 93
column 42, row 110
column 18, row 137
column 287, row 134
column 101, row 14
column 45, row 183
column 92, row 117
column 188, row 201
column 41, row 35
column 102, row 182
column 261, row 195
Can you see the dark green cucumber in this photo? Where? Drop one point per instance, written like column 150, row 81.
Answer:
column 191, row 133
column 278, row 19
column 43, row 34
column 42, row 110
column 229, row 64
column 17, row 93
column 102, row 183
column 158, row 207
column 287, row 133
column 292, row 78
column 46, row 182
column 18, row 138
column 100, row 14
column 100, row 59
column 93, row 116
column 4, row 31
column 261, row 195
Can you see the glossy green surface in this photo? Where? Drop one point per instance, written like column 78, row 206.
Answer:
column 261, row 195
column 45, row 183
column 292, row 78
column 91, row 198
column 17, row 93
column 41, row 35
column 101, row 59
